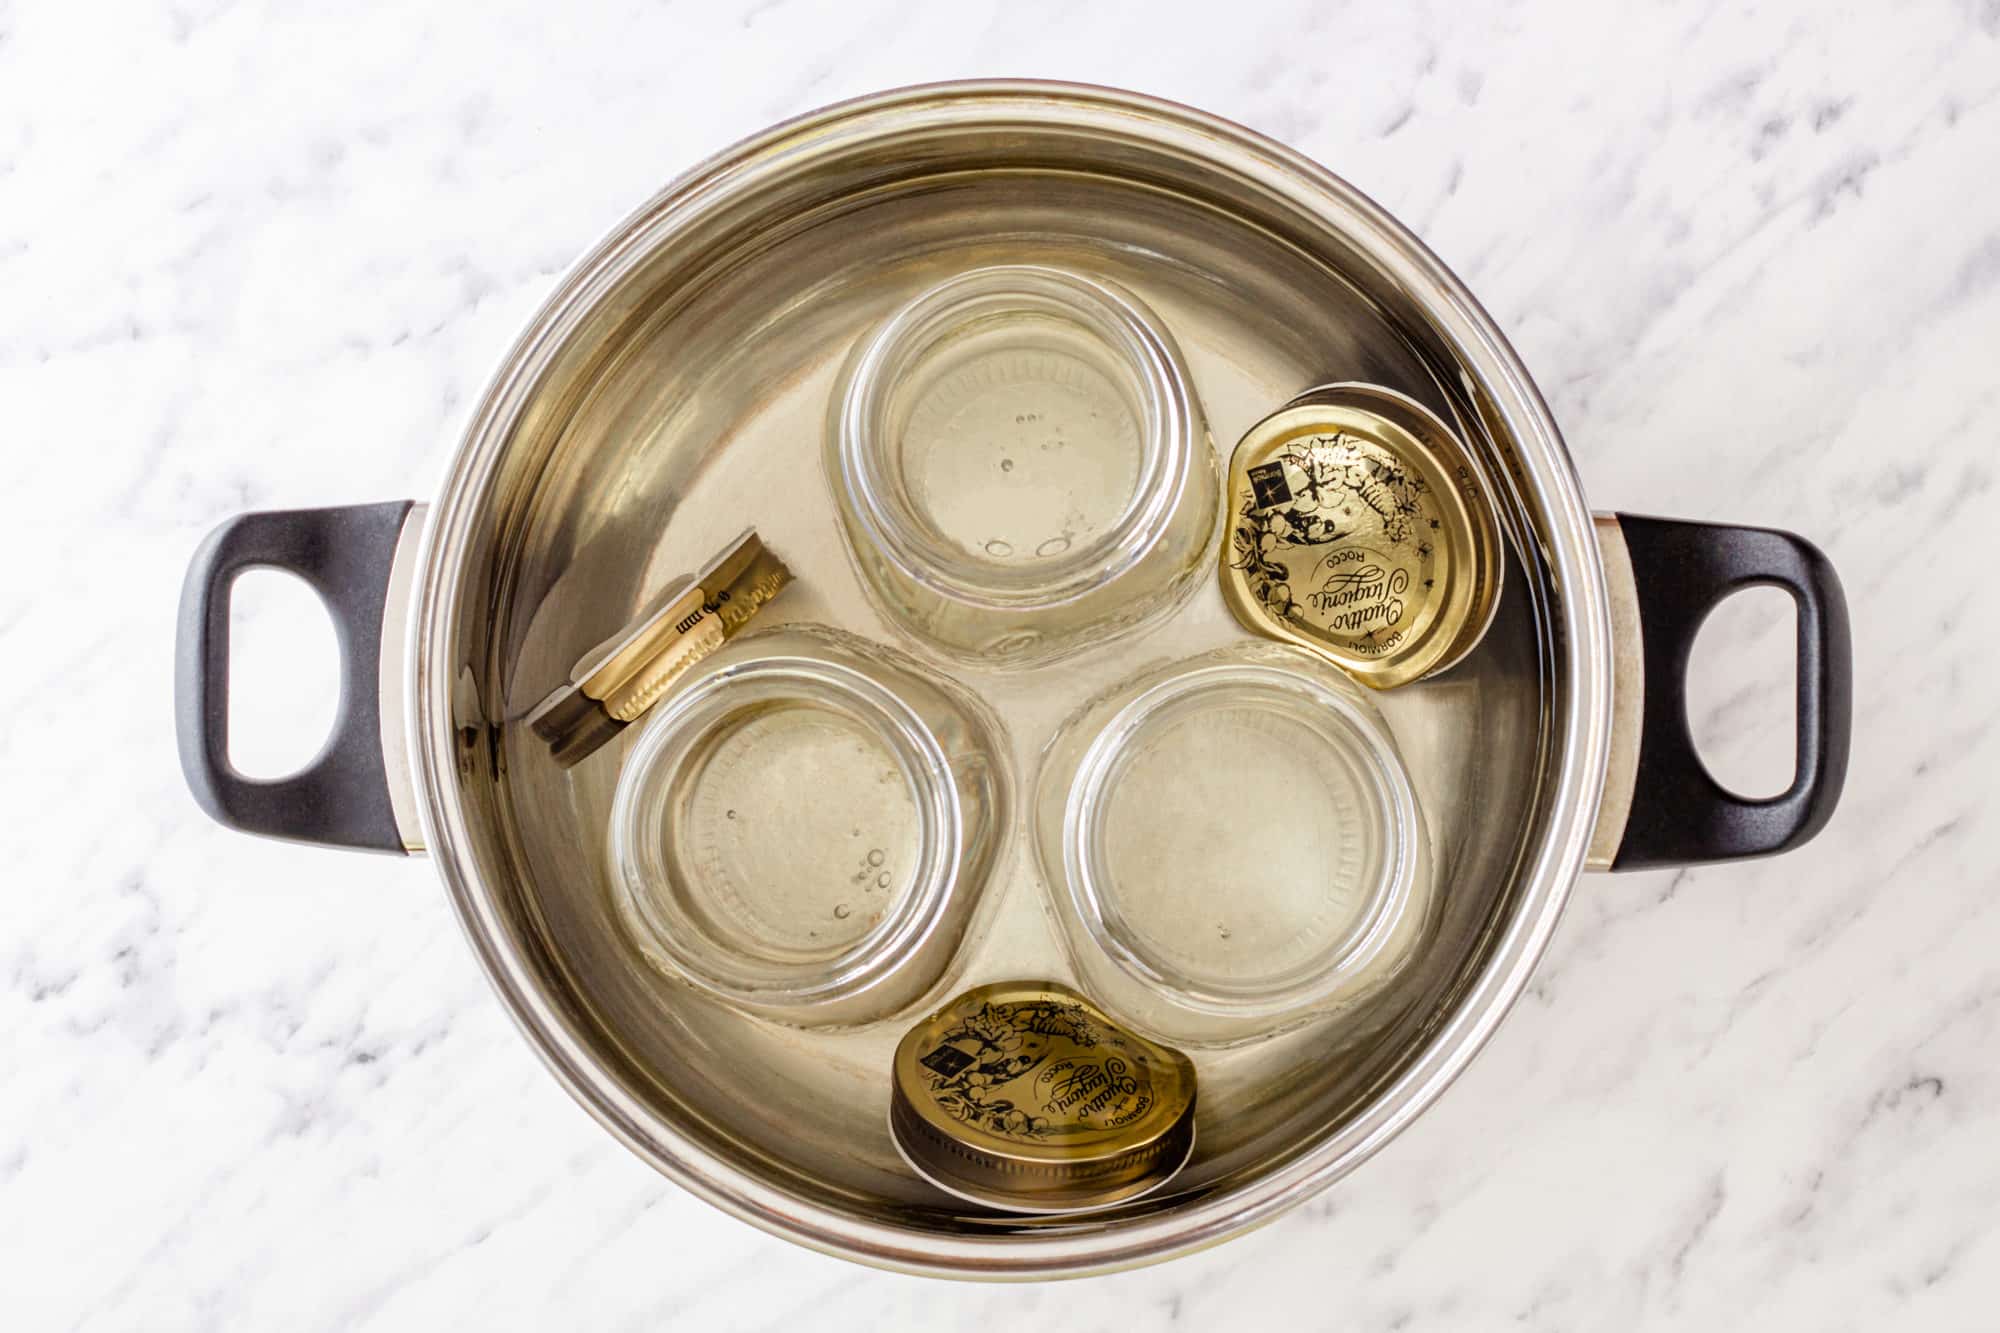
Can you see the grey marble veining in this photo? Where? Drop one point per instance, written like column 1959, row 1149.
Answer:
column 253, row 257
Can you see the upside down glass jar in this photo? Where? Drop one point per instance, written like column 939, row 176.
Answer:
column 804, row 828
column 1232, row 845
column 1021, row 465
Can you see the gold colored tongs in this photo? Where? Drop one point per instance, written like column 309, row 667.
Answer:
column 616, row 682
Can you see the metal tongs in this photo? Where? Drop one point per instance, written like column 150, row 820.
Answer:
column 617, row 681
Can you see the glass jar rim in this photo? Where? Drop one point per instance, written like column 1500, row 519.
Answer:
column 1089, row 885
column 639, row 816
column 1121, row 323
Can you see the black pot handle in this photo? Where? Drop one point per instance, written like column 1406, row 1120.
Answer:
column 1679, row 814
column 342, row 797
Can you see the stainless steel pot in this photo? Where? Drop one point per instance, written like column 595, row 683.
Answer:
column 665, row 396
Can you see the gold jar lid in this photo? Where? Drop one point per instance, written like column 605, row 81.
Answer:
column 1022, row 1096
column 1361, row 528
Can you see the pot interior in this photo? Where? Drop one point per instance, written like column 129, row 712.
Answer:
column 677, row 393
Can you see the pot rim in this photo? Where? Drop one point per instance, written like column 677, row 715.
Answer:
column 1582, row 657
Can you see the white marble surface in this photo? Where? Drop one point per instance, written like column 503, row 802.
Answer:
column 261, row 256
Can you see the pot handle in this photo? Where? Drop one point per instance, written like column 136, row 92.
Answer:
column 1664, row 577
column 350, row 557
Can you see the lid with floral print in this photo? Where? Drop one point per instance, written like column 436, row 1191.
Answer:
column 1023, row 1096
column 1361, row 528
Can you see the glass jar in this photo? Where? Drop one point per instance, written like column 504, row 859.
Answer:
column 1232, row 845
column 805, row 826
column 1021, row 466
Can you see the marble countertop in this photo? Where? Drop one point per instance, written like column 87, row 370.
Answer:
column 254, row 257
